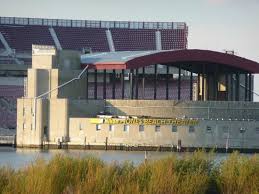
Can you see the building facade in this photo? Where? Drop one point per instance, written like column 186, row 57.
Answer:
column 57, row 111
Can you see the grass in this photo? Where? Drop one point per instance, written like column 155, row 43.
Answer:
column 238, row 174
column 193, row 174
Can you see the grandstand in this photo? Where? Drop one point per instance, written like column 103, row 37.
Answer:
column 17, row 35
column 8, row 97
column 10, row 90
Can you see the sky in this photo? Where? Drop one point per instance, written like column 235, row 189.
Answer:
column 213, row 24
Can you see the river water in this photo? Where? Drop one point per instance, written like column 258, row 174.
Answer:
column 18, row 158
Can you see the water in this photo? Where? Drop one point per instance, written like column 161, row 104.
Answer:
column 18, row 158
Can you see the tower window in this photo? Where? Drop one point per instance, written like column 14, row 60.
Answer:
column 141, row 128
column 111, row 127
column 191, row 129
column 126, row 128
column 174, row 128
column 98, row 127
column 157, row 128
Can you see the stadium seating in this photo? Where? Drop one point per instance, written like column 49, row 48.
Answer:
column 8, row 102
column 78, row 38
column 133, row 40
column 11, row 91
column 21, row 38
column 6, row 60
column 1, row 45
column 173, row 39
column 7, row 119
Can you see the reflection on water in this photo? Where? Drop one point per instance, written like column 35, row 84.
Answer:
column 17, row 158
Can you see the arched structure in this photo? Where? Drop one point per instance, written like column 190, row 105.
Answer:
column 219, row 74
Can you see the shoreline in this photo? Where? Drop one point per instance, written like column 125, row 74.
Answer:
column 136, row 148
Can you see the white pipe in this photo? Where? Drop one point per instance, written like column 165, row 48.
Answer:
column 64, row 84
column 46, row 93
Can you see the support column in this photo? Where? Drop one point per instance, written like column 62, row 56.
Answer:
column 246, row 87
column 131, row 84
column 167, row 80
column 231, row 87
column 250, row 87
column 191, row 84
column 179, row 82
column 155, row 81
column 208, row 86
column 237, row 86
column 95, row 84
column 113, row 83
column 136, row 84
column 198, row 96
column 216, row 84
column 122, row 83
column 55, row 38
column 226, row 85
column 203, row 83
column 143, row 83
column 104, row 84
column 87, row 83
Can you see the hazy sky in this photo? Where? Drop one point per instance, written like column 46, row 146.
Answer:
column 213, row 24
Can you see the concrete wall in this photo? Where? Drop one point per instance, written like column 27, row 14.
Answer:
column 53, row 82
column 31, row 82
column 180, row 109
column 82, row 132
column 41, row 81
column 58, row 120
column 43, row 62
column 68, row 60
column 76, row 89
column 85, row 108
column 30, row 129
column 43, row 76
column 68, row 121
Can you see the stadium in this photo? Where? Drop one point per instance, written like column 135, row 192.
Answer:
column 122, row 85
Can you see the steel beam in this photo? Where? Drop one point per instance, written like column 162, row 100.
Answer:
column 179, row 82
column 113, row 83
column 155, row 81
column 167, row 80
column 104, row 84
column 95, row 84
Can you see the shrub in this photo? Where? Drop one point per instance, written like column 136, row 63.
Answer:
column 238, row 174
column 193, row 174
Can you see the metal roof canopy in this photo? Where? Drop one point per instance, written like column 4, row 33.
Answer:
column 189, row 59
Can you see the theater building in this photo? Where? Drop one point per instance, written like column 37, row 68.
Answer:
column 139, row 100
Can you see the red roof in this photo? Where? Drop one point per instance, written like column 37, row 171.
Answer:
column 190, row 58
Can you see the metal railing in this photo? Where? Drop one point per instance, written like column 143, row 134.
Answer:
column 201, row 113
column 92, row 23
